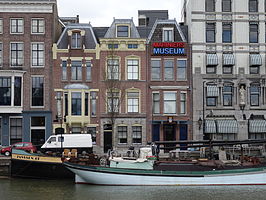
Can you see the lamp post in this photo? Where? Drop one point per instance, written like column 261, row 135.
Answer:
column 58, row 98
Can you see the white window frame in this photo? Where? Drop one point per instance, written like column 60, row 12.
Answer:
column 132, row 105
column 16, row 25
column 37, row 43
column 133, row 68
column 175, row 110
column 172, row 35
column 38, row 33
column 1, row 25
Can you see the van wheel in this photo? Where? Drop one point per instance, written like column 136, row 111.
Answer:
column 7, row 153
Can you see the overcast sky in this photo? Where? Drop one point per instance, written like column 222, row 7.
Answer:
column 102, row 12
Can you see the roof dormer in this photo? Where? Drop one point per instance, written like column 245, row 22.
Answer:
column 76, row 38
column 122, row 30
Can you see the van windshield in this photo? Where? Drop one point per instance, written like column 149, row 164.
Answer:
column 52, row 139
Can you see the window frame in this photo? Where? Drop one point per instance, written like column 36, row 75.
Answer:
column 256, row 94
column 114, row 73
column 228, row 94
column 64, row 70
column 18, row 139
column 168, row 34
column 180, row 68
column 38, row 26
column 227, row 29
column 133, row 101
column 183, row 103
column 122, row 31
column 210, row 32
column 39, row 52
column 43, row 93
column 170, row 102
column 225, row 3
column 155, row 102
column 122, row 134
column 76, row 40
column 133, row 74
column 137, row 132
column 76, row 70
column 209, row 9
column 171, row 68
column 1, row 54
column 76, row 100
column 254, row 31
column 159, row 68
column 88, row 70
column 17, row 54
column 1, row 25
column 253, row 9
column 16, row 25
column 208, row 67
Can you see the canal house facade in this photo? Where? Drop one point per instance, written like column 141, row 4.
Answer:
column 169, row 82
column 227, row 38
column 27, row 32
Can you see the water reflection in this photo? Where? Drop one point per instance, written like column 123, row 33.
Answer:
column 28, row 189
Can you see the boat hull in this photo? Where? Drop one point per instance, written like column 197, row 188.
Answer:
column 100, row 176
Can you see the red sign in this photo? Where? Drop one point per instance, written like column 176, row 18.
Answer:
column 168, row 44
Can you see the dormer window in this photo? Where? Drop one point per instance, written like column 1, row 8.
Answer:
column 122, row 31
column 76, row 40
column 168, row 35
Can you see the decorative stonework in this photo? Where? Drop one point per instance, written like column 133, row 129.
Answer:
column 210, row 17
column 254, row 17
column 227, row 48
column 227, row 17
column 211, row 48
column 254, row 48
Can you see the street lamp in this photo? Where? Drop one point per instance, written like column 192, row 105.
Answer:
column 58, row 98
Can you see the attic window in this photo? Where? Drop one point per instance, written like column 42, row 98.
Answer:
column 76, row 40
column 168, row 35
column 122, row 31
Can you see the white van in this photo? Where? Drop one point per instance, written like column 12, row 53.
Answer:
column 81, row 142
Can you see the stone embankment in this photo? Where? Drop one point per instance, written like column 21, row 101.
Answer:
column 5, row 163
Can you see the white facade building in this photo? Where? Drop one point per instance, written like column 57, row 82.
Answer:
column 227, row 38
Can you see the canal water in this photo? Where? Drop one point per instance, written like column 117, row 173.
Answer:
column 30, row 189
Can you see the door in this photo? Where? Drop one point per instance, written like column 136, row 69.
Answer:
column 108, row 137
column 155, row 132
column 169, row 135
column 38, row 138
column 183, row 135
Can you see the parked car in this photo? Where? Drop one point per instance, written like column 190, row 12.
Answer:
column 28, row 146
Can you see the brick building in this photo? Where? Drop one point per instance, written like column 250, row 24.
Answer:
column 27, row 32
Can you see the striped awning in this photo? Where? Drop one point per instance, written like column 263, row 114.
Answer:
column 257, row 126
column 210, row 126
column 212, row 91
column 255, row 59
column 211, row 59
column 227, row 126
column 228, row 59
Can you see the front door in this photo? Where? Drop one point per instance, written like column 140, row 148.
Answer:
column 38, row 137
column 155, row 132
column 108, row 137
column 169, row 135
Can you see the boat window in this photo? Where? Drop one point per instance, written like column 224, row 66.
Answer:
column 60, row 139
column 52, row 139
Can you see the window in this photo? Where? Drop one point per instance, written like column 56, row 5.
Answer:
column 136, row 134
column 76, row 103
column 76, row 70
column 155, row 69
column 211, row 101
column 169, row 103
column 183, row 103
column 227, row 69
column 113, row 101
column 168, row 35
column 1, row 28
column 38, row 122
column 253, row 33
column 1, row 54
column 17, row 91
column 212, row 93
column 15, row 130
column 253, row 5
column 16, row 54
column 113, row 46
column 64, row 70
column 210, row 5
column 86, row 104
column 133, row 102
column 113, row 69
column 5, row 91
column 181, row 69
column 37, row 92
column 226, row 6
column 228, row 95
column 93, row 104
column 122, row 31
column 88, row 70
column 66, row 103
column 227, row 32
column 210, row 32
column 122, row 134
column 76, row 130
column 168, row 70
column 16, row 25
column 132, row 69
column 211, row 69
column 1, row 131
column 37, row 26
column 92, row 131
column 37, row 54
column 76, row 41
column 156, row 103
column 132, row 46
column 254, row 69
column 254, row 95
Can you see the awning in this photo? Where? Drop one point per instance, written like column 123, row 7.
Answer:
column 210, row 126
column 255, row 59
column 227, row 126
column 211, row 59
column 212, row 91
column 257, row 126
column 228, row 59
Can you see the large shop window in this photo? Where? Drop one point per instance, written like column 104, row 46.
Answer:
column 76, row 70
column 113, row 69
column 133, row 102
column 155, row 70
column 136, row 134
column 37, row 94
column 169, row 103
column 15, row 130
column 122, row 134
column 16, row 54
column 133, row 69
column 76, row 103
